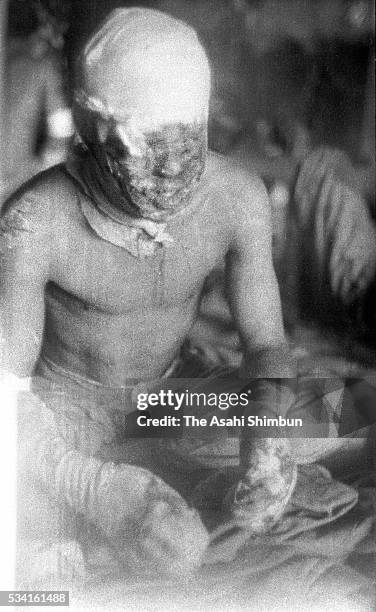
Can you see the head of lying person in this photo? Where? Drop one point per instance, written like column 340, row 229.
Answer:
column 141, row 105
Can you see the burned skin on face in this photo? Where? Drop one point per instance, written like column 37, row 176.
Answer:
column 161, row 181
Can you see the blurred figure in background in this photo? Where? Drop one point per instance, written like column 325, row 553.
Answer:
column 37, row 120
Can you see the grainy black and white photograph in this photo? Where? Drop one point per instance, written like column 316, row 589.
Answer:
column 188, row 305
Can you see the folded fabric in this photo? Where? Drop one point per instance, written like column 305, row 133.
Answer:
column 336, row 233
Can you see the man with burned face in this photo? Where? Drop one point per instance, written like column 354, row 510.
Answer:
column 102, row 264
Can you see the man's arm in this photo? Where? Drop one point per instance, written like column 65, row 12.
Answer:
column 24, row 268
column 171, row 536
column 268, row 473
column 252, row 287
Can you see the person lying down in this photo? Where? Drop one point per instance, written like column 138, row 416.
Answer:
column 102, row 263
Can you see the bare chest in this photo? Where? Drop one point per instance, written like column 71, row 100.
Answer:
column 108, row 278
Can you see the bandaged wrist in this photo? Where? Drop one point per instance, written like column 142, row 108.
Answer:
column 113, row 497
column 48, row 458
column 102, row 492
column 145, row 520
column 75, row 481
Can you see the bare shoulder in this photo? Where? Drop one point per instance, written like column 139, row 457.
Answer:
column 240, row 197
column 41, row 207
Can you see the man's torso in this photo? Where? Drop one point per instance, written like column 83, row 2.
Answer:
column 111, row 316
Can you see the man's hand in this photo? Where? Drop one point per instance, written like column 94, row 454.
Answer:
column 268, row 474
column 171, row 541
column 259, row 499
column 147, row 523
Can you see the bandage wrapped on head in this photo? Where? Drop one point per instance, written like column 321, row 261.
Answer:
column 139, row 66
column 141, row 73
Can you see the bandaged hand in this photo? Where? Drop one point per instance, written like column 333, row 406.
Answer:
column 269, row 472
column 260, row 497
column 149, row 526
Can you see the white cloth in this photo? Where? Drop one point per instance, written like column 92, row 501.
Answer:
column 144, row 66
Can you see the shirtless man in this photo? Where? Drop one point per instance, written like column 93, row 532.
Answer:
column 102, row 265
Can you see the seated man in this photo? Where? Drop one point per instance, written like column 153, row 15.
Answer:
column 102, row 265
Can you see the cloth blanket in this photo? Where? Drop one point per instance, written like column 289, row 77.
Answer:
column 307, row 553
column 322, row 554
